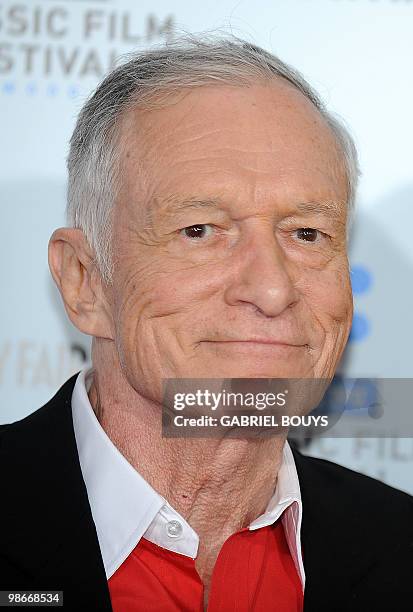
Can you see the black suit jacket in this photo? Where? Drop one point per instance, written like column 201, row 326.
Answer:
column 357, row 533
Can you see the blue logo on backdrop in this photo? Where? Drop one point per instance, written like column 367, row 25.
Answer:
column 361, row 279
column 361, row 282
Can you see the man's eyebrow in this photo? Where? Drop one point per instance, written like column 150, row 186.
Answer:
column 332, row 209
column 173, row 204
column 176, row 204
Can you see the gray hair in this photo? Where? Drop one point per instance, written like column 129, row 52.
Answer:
column 144, row 80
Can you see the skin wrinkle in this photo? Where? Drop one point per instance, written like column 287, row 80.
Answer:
column 174, row 303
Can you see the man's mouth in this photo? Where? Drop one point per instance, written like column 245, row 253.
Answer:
column 259, row 340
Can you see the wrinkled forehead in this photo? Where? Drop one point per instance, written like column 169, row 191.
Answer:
column 264, row 135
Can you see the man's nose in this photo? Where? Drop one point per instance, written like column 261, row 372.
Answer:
column 261, row 276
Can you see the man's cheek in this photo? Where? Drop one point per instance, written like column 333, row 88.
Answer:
column 143, row 291
column 330, row 294
column 184, row 290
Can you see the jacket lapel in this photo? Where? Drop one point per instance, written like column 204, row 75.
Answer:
column 342, row 533
column 51, row 537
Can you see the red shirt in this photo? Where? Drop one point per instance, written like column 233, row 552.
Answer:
column 254, row 571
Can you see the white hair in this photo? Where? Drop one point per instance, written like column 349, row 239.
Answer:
column 187, row 62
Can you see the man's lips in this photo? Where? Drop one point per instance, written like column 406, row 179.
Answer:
column 258, row 341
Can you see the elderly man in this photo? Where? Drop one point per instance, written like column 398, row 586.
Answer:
column 209, row 197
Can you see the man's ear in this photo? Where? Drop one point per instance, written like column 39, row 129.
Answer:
column 75, row 273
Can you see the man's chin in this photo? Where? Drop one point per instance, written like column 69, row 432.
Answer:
column 254, row 360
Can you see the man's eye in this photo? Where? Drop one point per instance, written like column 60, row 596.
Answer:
column 200, row 230
column 309, row 234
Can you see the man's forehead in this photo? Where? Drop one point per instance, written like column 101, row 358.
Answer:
column 265, row 104
column 160, row 160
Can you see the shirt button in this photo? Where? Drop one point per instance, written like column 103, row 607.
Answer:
column 174, row 529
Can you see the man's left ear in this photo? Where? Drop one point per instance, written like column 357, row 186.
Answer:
column 79, row 281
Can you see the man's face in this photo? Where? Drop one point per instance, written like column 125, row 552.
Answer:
column 215, row 274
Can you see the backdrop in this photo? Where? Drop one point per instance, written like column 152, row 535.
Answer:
column 357, row 53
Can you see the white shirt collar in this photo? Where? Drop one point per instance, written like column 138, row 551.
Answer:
column 125, row 507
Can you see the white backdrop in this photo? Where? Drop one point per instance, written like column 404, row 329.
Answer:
column 357, row 53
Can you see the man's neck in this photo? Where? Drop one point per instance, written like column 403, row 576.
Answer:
column 219, row 485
